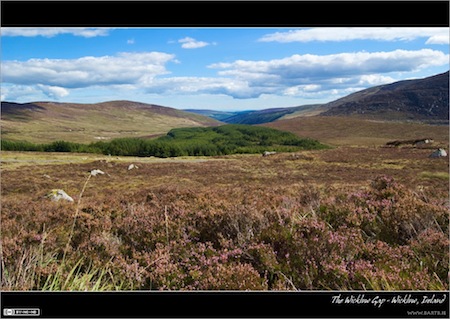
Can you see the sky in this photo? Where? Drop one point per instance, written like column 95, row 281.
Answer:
column 227, row 69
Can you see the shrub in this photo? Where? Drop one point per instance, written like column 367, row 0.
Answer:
column 20, row 146
column 197, row 141
column 229, row 235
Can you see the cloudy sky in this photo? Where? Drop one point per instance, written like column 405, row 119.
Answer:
column 213, row 68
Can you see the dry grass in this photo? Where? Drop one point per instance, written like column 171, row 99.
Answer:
column 343, row 166
column 229, row 222
column 85, row 123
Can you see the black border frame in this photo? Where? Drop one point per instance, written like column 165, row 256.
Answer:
column 227, row 304
column 221, row 304
column 224, row 13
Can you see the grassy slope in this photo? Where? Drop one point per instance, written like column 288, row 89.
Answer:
column 359, row 132
column 86, row 123
column 305, row 111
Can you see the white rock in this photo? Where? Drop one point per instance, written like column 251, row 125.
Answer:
column 438, row 153
column 132, row 166
column 57, row 194
column 267, row 153
column 95, row 172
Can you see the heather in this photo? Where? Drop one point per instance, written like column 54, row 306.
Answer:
column 310, row 220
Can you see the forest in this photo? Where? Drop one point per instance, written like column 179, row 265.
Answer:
column 198, row 141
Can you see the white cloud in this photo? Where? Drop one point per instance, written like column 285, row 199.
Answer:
column 301, row 90
column 434, row 35
column 374, row 79
column 130, row 41
column 51, row 32
column 307, row 76
column 303, row 75
column 20, row 93
column 439, row 39
column 325, row 93
column 190, row 43
column 308, row 66
column 124, row 68
column 55, row 92
column 201, row 85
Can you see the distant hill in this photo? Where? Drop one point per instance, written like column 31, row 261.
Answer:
column 270, row 115
column 217, row 115
column 425, row 100
column 41, row 122
column 257, row 117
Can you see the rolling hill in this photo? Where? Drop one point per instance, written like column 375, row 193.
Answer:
column 422, row 100
column 41, row 122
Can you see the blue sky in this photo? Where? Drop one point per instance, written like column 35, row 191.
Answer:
column 213, row 68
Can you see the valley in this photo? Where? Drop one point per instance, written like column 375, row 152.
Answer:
column 342, row 212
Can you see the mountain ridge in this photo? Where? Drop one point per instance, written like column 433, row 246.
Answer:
column 422, row 100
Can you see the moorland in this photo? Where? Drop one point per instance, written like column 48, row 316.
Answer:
column 354, row 215
column 343, row 218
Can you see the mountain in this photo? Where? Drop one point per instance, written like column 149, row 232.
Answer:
column 372, row 117
column 41, row 122
column 425, row 100
column 419, row 100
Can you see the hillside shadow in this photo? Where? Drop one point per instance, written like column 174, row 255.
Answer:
column 19, row 112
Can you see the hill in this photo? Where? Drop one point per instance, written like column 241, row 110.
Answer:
column 424, row 100
column 420, row 100
column 41, row 122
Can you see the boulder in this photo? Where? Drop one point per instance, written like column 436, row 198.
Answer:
column 95, row 172
column 58, row 194
column 267, row 153
column 440, row 152
column 132, row 166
